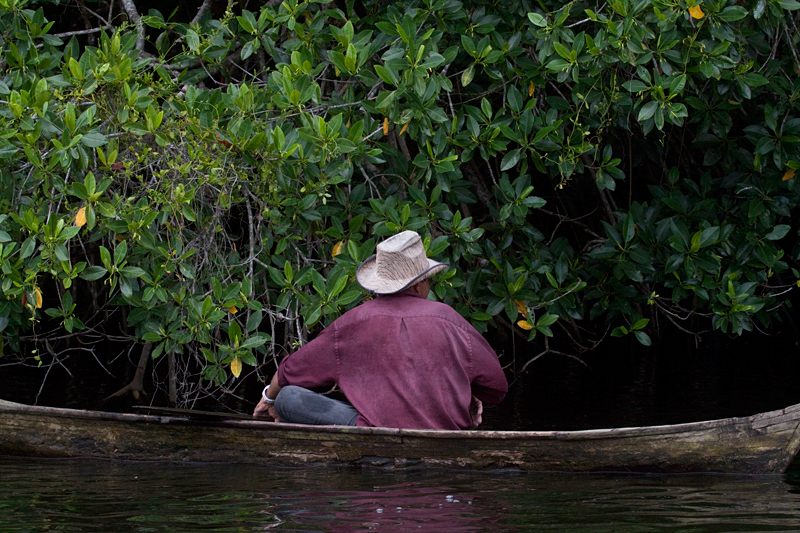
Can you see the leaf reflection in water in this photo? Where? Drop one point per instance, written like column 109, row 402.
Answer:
column 92, row 495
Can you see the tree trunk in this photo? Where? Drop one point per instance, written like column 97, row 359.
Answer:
column 136, row 386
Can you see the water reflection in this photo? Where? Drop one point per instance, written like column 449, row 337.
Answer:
column 403, row 507
column 91, row 495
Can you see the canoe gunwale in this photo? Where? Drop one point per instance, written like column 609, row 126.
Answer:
column 623, row 432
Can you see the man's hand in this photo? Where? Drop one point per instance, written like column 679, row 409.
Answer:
column 266, row 411
column 475, row 412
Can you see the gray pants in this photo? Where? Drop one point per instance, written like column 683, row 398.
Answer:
column 302, row 406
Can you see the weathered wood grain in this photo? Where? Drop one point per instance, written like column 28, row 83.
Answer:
column 759, row 444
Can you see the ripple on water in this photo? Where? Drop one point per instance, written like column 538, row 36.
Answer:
column 91, row 495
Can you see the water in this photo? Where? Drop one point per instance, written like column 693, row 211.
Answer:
column 93, row 495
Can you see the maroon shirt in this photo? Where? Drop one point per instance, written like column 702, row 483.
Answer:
column 402, row 361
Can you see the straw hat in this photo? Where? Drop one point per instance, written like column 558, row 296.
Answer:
column 399, row 263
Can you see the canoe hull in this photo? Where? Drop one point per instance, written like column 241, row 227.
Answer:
column 760, row 444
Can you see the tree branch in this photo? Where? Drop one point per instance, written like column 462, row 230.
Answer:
column 201, row 11
column 133, row 16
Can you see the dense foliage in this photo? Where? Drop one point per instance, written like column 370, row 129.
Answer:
column 206, row 185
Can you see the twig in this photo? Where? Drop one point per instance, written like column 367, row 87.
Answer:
column 371, row 134
column 83, row 32
column 133, row 16
column 564, row 218
column 791, row 44
column 201, row 11
column 548, row 350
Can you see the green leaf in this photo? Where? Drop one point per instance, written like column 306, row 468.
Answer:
column 125, row 287
column 643, row 338
column 677, row 85
column 288, row 274
column 187, row 270
column 510, row 159
column 188, row 213
column 313, row 317
column 619, row 331
column 778, row 232
column 27, row 248
column 386, row 75
column 635, row 86
column 468, row 75
column 628, row 228
column 248, row 49
column 131, row 272
column 647, row 111
column 338, row 287
column 562, row 50
column 733, row 13
column 235, row 332
column 468, row 45
column 93, row 139
column 348, row 298
column 709, row 236
column 120, row 252
column 708, row 69
column 193, row 40
column 247, row 22
column 546, row 320
column 7, row 150
column 754, row 79
column 537, row 20
column 93, row 273
column 255, row 341
column 105, row 257
column 254, row 321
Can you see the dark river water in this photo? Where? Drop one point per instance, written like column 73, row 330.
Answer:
column 93, row 495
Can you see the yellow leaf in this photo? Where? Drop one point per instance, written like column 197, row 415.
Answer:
column 531, row 88
column 232, row 310
column 524, row 325
column 236, row 367
column 80, row 218
column 521, row 307
column 789, row 174
column 404, row 128
column 38, row 298
column 696, row 12
column 337, row 248
column 386, row 126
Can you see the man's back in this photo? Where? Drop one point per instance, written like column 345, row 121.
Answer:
column 402, row 361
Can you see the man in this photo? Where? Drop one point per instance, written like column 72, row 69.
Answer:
column 401, row 360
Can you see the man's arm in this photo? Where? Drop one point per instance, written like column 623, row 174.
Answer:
column 313, row 365
column 267, row 410
column 489, row 382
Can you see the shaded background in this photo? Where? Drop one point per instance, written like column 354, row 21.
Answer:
column 622, row 384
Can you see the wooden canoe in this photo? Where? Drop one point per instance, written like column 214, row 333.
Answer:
column 764, row 443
